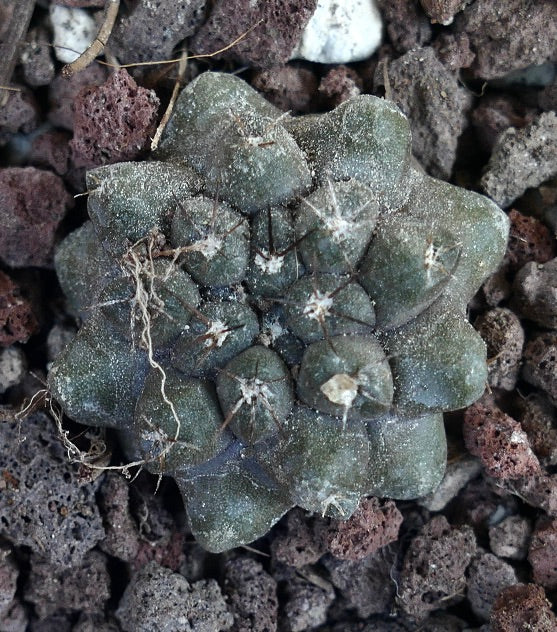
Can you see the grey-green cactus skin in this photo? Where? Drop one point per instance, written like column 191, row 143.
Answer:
column 274, row 309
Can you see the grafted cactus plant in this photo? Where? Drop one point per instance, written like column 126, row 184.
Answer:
column 274, row 308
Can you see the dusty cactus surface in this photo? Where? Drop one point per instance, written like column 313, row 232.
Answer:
column 274, row 308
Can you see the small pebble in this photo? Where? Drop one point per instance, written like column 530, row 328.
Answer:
column 12, row 367
column 74, row 31
column 510, row 537
column 341, row 32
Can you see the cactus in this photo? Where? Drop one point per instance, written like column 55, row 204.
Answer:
column 274, row 308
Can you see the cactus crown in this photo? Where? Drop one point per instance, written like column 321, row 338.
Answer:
column 274, row 309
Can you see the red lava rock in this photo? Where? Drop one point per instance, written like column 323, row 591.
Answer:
column 529, row 240
column 499, row 442
column 32, row 203
column 151, row 30
column 407, row 25
column 510, row 537
column 443, row 11
column 52, row 150
column 487, row 577
column 537, row 419
column 522, row 607
column 453, row 49
column 510, row 35
column 542, row 553
column 17, row 321
column 280, row 24
column 496, row 113
column 113, row 122
column 63, row 91
column 289, row 88
column 19, row 114
column 433, row 570
column 539, row 491
column 340, row 84
column 304, row 541
column 540, row 364
column 372, row 526
column 252, row 596
column 435, row 103
column 522, row 158
column 535, row 293
column 504, row 337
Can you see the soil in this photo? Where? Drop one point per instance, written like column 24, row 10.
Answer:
column 84, row 550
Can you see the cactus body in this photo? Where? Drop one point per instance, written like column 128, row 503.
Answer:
column 274, row 308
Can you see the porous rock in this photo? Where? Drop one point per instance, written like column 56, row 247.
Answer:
column 365, row 585
column 340, row 84
column 499, row 442
column 32, row 204
column 494, row 114
column 63, row 90
column 306, row 604
column 530, row 240
column 432, row 574
column 252, row 596
column 51, row 150
column 504, row 336
column 539, row 491
column 157, row 598
column 35, row 58
column 522, row 607
column 289, row 88
column 45, row 503
column 372, row 526
column 113, row 122
column 435, row 103
column 453, row 50
column 443, row 11
column 511, row 35
column 82, row 588
column 510, row 537
column 407, row 25
column 540, row 364
column 301, row 542
column 20, row 113
column 522, row 158
column 537, row 418
column 151, row 30
column 122, row 535
column 535, row 293
column 487, row 577
column 278, row 28
column 542, row 553
column 17, row 321
column 8, row 581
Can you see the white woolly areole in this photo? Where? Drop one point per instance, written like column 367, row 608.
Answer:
column 318, row 306
column 218, row 333
column 208, row 247
column 270, row 264
column 254, row 389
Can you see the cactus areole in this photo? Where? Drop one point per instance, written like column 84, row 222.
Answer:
column 274, row 308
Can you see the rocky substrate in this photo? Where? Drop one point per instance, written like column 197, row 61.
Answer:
column 84, row 549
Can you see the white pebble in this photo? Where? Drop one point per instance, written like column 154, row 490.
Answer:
column 341, row 31
column 12, row 367
column 74, row 31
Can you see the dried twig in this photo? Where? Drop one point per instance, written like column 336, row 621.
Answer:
column 98, row 44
